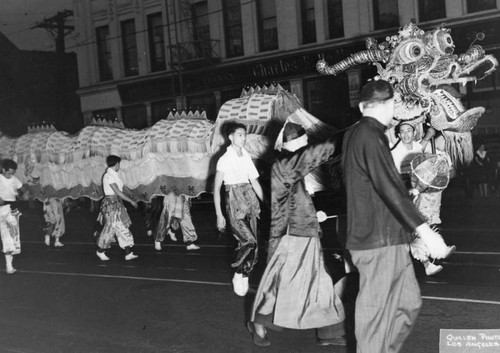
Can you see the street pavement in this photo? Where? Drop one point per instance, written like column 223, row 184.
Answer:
column 66, row 300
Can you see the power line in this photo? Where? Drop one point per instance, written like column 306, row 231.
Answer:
column 16, row 32
column 165, row 25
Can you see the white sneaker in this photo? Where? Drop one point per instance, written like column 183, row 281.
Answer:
column 157, row 245
column 131, row 256
column 244, row 281
column 172, row 235
column 47, row 240
column 58, row 244
column 431, row 269
column 240, row 284
column 192, row 246
column 102, row 256
column 11, row 271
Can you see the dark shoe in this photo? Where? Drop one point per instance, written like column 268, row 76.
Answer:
column 336, row 341
column 257, row 340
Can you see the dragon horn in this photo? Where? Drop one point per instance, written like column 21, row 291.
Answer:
column 355, row 59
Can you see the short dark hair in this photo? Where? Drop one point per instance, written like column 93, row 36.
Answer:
column 376, row 91
column 397, row 129
column 112, row 160
column 8, row 164
column 232, row 126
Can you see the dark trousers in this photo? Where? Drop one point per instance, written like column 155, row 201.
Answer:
column 245, row 232
column 388, row 301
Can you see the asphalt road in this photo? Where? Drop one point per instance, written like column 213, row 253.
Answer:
column 66, row 300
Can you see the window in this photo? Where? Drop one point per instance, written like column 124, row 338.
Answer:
column 105, row 114
column 308, row 21
column 481, row 5
column 205, row 102
column 161, row 109
column 431, row 9
column 103, row 53
column 129, row 48
column 322, row 96
column 156, row 43
column 230, row 94
column 233, row 28
column 386, row 13
column 134, row 116
column 201, row 25
column 201, row 30
column 268, row 31
column 335, row 19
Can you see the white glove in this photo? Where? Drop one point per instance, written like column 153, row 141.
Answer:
column 434, row 242
column 321, row 216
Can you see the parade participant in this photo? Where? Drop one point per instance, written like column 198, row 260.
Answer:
column 55, row 227
column 113, row 214
column 405, row 149
column 296, row 291
column 176, row 210
column 402, row 153
column 10, row 186
column 240, row 177
column 380, row 220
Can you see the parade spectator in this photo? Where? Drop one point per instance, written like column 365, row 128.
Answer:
column 10, row 187
column 242, row 191
column 497, row 179
column 176, row 214
column 113, row 214
column 481, row 170
column 380, row 220
column 296, row 290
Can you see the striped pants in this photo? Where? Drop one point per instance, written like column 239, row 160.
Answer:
column 388, row 301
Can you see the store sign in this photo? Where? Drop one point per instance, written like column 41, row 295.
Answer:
column 265, row 70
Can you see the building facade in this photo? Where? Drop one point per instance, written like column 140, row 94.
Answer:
column 37, row 88
column 140, row 59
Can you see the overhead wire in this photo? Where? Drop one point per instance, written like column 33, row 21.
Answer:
column 164, row 25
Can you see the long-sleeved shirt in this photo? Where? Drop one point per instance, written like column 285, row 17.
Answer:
column 291, row 205
column 379, row 211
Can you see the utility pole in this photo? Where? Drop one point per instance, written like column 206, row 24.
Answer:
column 57, row 28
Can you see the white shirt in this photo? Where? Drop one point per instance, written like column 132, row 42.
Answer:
column 111, row 177
column 403, row 156
column 236, row 169
column 9, row 187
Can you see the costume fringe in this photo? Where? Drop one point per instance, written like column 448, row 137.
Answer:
column 459, row 147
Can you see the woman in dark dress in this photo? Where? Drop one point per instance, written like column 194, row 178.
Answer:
column 481, row 170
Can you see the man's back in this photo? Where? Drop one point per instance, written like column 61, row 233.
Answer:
column 378, row 207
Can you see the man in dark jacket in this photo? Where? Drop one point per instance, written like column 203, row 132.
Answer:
column 380, row 220
column 296, row 291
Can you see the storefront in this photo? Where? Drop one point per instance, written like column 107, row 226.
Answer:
column 149, row 100
column 333, row 99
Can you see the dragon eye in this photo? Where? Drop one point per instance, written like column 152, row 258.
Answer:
column 445, row 43
column 410, row 51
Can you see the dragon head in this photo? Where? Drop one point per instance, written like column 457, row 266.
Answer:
column 424, row 71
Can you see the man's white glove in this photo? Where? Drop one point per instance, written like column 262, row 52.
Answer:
column 434, row 242
column 321, row 216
